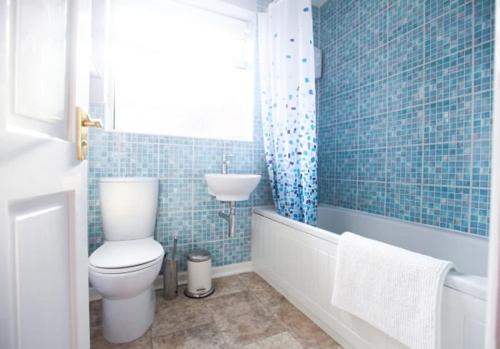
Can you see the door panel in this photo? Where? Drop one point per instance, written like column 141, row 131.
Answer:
column 40, row 227
column 40, row 77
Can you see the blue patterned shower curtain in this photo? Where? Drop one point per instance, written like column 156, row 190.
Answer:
column 286, row 64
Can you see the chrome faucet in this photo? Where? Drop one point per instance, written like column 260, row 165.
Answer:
column 225, row 163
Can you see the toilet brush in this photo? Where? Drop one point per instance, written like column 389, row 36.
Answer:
column 170, row 274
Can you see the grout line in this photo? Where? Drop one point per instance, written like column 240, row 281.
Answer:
column 192, row 194
column 386, row 177
column 394, row 146
column 386, row 9
column 471, row 170
column 422, row 146
column 391, row 76
column 428, row 185
column 317, row 85
column 424, row 224
column 424, row 105
column 414, row 67
column 415, row 106
column 358, row 75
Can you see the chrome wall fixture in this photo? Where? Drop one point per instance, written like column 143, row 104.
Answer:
column 225, row 163
column 230, row 217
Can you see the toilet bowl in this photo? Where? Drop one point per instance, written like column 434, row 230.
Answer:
column 126, row 286
column 124, row 268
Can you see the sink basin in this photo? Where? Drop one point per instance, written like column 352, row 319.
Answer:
column 231, row 187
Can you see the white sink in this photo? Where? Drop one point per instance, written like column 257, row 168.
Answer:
column 231, row 187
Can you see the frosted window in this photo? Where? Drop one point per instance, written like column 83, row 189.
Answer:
column 182, row 70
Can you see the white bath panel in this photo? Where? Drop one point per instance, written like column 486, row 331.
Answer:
column 299, row 261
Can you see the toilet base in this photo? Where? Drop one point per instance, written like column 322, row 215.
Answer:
column 127, row 319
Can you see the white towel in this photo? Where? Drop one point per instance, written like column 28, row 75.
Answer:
column 393, row 289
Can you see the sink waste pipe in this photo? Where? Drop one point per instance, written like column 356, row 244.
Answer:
column 230, row 217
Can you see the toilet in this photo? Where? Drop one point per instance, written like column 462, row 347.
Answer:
column 125, row 267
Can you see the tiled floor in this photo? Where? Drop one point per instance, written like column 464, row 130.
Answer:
column 244, row 312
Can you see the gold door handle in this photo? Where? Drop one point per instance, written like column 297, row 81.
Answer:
column 91, row 122
column 83, row 122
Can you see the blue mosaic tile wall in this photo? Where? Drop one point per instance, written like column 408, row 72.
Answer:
column 405, row 105
column 185, row 208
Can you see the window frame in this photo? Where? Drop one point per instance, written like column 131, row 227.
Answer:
column 220, row 7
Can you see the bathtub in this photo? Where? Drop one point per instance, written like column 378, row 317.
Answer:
column 299, row 261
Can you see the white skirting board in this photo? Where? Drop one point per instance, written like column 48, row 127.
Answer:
column 217, row 272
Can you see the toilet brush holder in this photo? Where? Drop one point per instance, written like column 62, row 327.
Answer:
column 169, row 279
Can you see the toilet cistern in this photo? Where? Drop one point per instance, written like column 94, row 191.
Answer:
column 125, row 267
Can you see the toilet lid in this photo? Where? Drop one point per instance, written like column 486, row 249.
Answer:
column 124, row 254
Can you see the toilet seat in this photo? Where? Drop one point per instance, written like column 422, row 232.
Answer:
column 126, row 269
column 116, row 257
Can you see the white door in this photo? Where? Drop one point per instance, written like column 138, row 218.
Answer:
column 43, row 239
